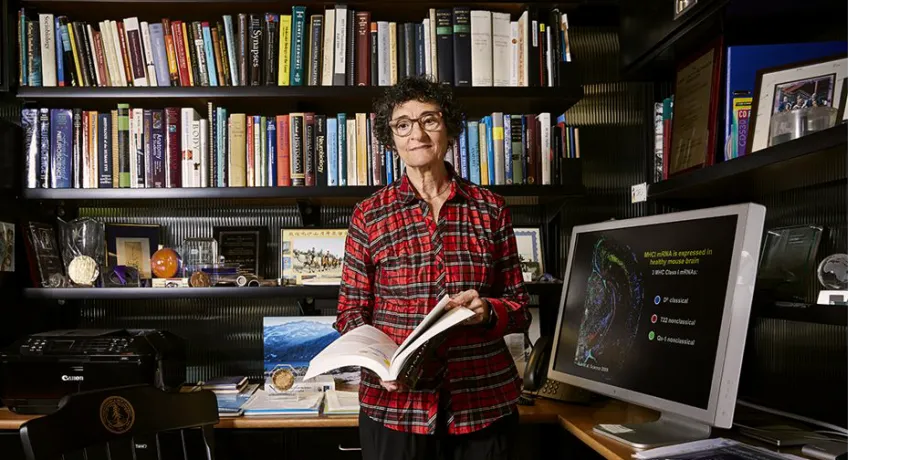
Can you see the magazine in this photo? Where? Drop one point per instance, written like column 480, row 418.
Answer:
column 368, row 347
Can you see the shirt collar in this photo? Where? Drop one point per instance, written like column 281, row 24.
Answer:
column 458, row 186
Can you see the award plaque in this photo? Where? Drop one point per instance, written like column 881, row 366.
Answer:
column 787, row 261
column 245, row 247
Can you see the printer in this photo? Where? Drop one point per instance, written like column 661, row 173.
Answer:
column 39, row 370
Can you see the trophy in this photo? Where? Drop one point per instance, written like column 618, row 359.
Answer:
column 82, row 249
column 832, row 274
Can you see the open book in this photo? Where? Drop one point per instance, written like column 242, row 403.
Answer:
column 369, row 347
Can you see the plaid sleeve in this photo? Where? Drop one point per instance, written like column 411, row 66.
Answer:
column 510, row 299
column 356, row 294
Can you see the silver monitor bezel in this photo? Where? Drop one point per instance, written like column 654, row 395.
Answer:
column 720, row 406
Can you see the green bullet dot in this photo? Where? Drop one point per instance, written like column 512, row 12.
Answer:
column 651, row 335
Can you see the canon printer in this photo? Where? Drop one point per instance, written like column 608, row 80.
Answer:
column 36, row 372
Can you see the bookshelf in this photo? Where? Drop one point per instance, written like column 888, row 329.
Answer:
column 816, row 159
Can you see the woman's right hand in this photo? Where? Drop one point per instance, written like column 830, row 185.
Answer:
column 393, row 385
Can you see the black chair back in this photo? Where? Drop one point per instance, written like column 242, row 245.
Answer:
column 132, row 422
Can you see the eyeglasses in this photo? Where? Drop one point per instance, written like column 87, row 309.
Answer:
column 430, row 121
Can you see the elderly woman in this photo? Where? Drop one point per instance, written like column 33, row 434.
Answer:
column 427, row 235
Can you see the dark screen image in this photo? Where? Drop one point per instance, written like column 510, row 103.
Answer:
column 643, row 308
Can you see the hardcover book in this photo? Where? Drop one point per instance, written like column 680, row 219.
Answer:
column 370, row 348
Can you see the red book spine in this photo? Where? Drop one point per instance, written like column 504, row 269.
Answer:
column 101, row 68
column 363, row 49
column 284, row 150
column 126, row 61
column 174, row 147
column 179, row 39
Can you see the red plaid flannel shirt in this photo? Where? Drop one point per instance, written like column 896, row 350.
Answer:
column 398, row 263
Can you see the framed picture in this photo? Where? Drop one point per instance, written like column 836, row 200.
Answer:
column 530, row 250
column 132, row 245
column 312, row 256
column 788, row 88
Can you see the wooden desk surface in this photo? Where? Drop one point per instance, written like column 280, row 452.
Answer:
column 544, row 411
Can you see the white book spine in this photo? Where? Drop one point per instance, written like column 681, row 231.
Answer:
column 139, row 156
column 426, row 31
column 515, row 55
column 550, row 75
column 110, row 62
column 383, row 53
column 204, row 179
column 481, row 53
column 46, row 36
column 352, row 144
column 341, row 23
column 328, row 47
column 523, row 43
column 148, row 54
column 501, row 49
column 257, row 152
column 394, row 62
column 195, row 144
column 546, row 130
column 433, row 42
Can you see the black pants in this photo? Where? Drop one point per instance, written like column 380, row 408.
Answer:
column 495, row 442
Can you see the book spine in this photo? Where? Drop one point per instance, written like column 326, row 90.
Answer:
column 172, row 58
column 517, row 171
column 208, row 45
column 160, row 62
column 319, row 151
column 220, row 55
column 237, row 156
column 283, row 131
column 284, row 50
column 507, row 150
column 270, row 50
column 104, row 149
column 462, row 47
column 464, row 152
column 332, row 142
column 243, row 47
column 48, row 48
column 271, row 150
column 62, row 148
column 297, row 154
column 255, row 50
column 299, row 21
column 158, row 149
column 374, row 64
column 309, row 142
column 231, row 45
column 341, row 43
column 445, row 45
column 363, row 49
column 173, row 148
column 329, row 60
column 44, row 148
column 350, row 34
column 58, row 51
column 316, row 50
column 473, row 144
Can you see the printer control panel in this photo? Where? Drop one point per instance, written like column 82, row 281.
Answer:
column 54, row 346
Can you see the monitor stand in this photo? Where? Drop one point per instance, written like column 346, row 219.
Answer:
column 668, row 429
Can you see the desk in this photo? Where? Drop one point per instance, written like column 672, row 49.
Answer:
column 576, row 419
column 579, row 420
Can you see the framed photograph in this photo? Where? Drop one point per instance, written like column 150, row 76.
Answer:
column 132, row 245
column 788, row 88
column 312, row 256
column 530, row 250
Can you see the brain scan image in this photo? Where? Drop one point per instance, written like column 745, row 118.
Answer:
column 612, row 306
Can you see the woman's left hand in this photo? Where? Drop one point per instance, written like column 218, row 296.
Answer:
column 470, row 299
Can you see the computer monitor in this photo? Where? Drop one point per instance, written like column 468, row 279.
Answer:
column 654, row 311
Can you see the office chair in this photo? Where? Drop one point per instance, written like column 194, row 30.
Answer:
column 132, row 422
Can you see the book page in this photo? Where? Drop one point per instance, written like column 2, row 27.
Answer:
column 446, row 321
column 432, row 316
column 364, row 346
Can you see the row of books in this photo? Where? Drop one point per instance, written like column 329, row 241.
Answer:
column 133, row 147
column 340, row 47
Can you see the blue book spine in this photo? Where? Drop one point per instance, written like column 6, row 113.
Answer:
column 490, row 150
column 298, row 24
column 231, row 49
column 524, row 149
column 342, row 155
column 332, row 142
column 158, row 145
column 62, row 145
column 464, row 156
column 104, row 149
column 59, row 50
column 23, row 49
column 209, row 56
column 44, row 148
column 30, row 131
column 419, row 49
column 35, row 61
column 220, row 145
column 389, row 165
column 158, row 43
column 272, row 150
column 509, row 167
column 473, row 138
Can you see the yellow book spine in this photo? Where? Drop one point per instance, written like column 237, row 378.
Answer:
column 483, row 155
column 76, row 58
column 284, row 51
column 361, row 144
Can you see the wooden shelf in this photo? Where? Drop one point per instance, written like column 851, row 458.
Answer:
column 289, row 292
column 815, row 159
column 319, row 99
column 834, row 315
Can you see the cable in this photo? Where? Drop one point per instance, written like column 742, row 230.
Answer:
column 793, row 416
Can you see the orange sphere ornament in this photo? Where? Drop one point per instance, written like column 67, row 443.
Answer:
column 165, row 263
